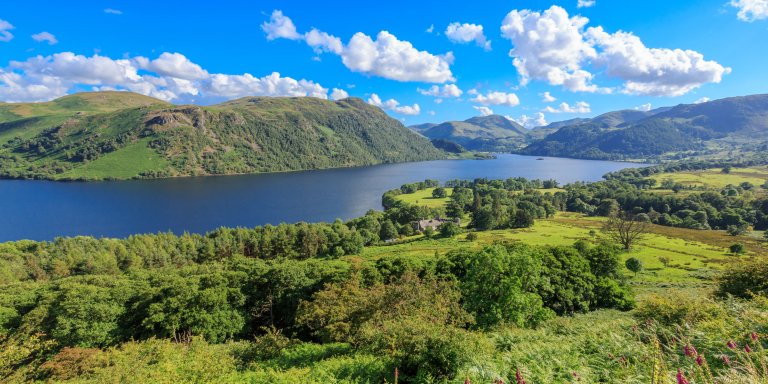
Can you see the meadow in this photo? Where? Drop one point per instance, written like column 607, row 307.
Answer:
column 715, row 178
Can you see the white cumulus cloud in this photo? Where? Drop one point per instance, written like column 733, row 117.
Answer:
column 394, row 59
column 534, row 121
column 653, row 71
column 578, row 107
column 280, row 27
column 174, row 65
column 170, row 77
column 751, row 10
column 467, row 33
column 5, row 31
column 323, row 42
column 549, row 46
column 338, row 94
column 548, row 98
column 484, row 111
column 497, row 98
column 702, row 100
column 645, row 107
column 554, row 47
column 45, row 36
column 385, row 56
column 394, row 105
column 585, row 3
column 447, row 90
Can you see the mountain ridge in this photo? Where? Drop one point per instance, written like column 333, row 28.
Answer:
column 124, row 135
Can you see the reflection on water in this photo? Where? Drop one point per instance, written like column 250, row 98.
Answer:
column 42, row 210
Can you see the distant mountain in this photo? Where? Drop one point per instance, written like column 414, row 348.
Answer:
column 485, row 133
column 636, row 134
column 106, row 135
column 422, row 127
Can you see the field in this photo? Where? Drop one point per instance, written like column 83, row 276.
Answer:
column 124, row 163
column 715, row 178
column 424, row 197
column 693, row 255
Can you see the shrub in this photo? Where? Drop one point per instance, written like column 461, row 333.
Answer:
column 71, row 363
column 634, row 265
column 744, row 279
column 439, row 193
column 449, row 229
column 677, row 309
column 472, row 236
column 737, row 248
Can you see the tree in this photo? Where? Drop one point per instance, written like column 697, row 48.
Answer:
column 665, row 261
column 634, row 265
column 429, row 231
column 439, row 193
column 472, row 236
column 737, row 230
column 737, row 248
column 625, row 228
column 449, row 229
column 499, row 287
column 726, row 169
column 388, row 230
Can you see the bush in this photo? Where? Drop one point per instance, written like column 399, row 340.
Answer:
column 71, row 363
column 634, row 265
column 439, row 193
column 677, row 309
column 449, row 229
column 744, row 279
column 472, row 236
column 421, row 350
column 737, row 248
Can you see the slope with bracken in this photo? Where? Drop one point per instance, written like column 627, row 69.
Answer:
column 120, row 135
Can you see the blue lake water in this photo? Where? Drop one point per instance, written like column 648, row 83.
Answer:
column 43, row 210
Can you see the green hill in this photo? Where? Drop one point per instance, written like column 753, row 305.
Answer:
column 635, row 134
column 482, row 133
column 120, row 135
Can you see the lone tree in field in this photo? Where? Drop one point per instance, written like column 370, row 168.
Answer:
column 439, row 193
column 625, row 228
column 634, row 265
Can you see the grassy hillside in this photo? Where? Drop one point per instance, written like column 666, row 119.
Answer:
column 705, row 127
column 119, row 135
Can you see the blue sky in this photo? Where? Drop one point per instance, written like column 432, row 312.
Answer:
column 628, row 54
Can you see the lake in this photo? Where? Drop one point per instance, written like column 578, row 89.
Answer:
column 43, row 210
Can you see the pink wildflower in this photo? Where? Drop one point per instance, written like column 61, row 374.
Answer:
column 747, row 349
column 731, row 344
column 467, row 381
column 726, row 360
column 681, row 378
column 519, row 377
column 699, row 360
column 754, row 336
column 690, row 351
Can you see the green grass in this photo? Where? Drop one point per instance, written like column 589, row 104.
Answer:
column 715, row 178
column 424, row 198
column 124, row 163
column 693, row 255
